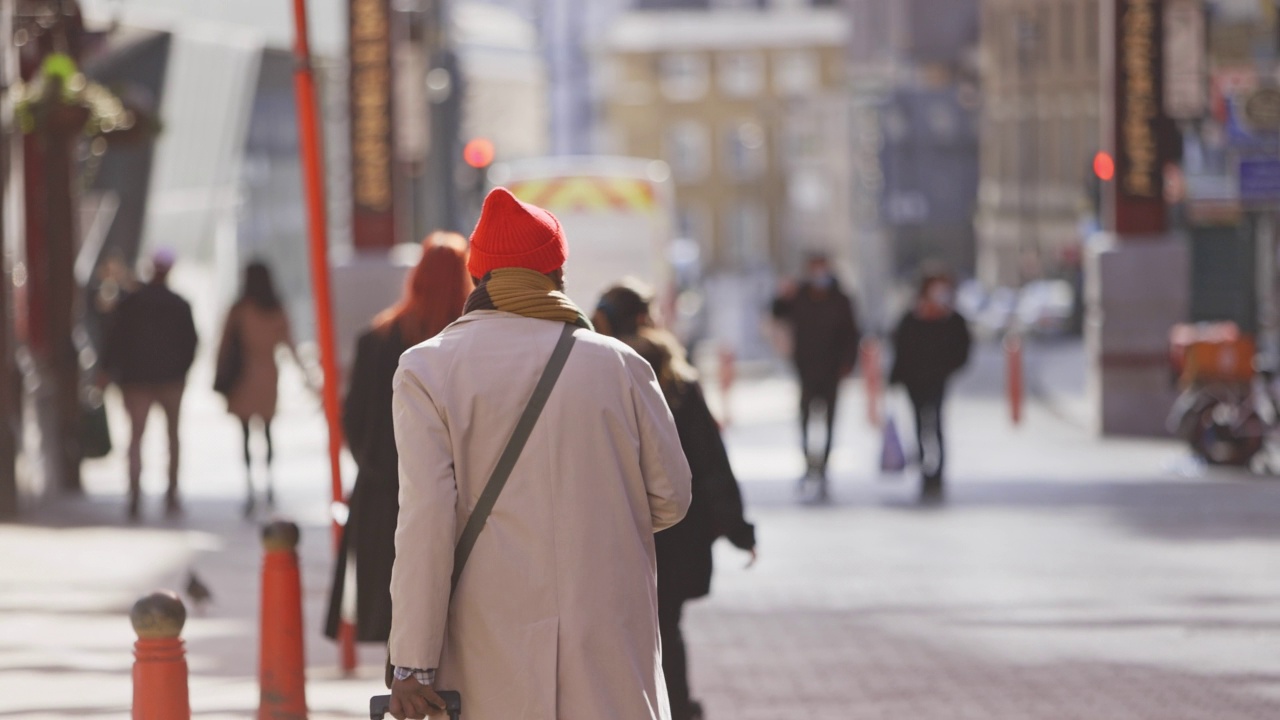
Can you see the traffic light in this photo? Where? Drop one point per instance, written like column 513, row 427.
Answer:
column 478, row 153
column 1104, row 166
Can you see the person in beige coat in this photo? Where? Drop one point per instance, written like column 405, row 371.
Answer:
column 256, row 326
column 555, row 613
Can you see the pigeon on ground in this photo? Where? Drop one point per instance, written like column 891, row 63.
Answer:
column 198, row 592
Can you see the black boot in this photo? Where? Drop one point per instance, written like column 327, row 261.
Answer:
column 931, row 490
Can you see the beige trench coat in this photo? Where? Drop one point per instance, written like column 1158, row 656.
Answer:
column 555, row 616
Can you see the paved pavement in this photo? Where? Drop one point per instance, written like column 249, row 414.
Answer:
column 1065, row 578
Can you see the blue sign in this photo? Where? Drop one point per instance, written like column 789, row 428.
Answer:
column 1260, row 180
column 1247, row 140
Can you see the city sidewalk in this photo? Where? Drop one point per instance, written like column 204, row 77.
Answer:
column 1066, row 577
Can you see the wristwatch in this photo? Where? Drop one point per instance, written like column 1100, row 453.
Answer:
column 424, row 677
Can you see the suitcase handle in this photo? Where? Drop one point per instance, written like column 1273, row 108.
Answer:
column 380, row 705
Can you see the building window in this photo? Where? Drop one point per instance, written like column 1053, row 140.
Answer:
column 740, row 74
column 802, row 139
column 1067, row 21
column 683, row 77
column 796, row 72
column 1092, row 30
column 693, row 222
column 746, row 156
column 748, row 234
column 686, row 151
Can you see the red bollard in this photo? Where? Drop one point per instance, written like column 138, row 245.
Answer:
column 347, row 647
column 281, row 666
column 1013, row 364
column 873, row 376
column 160, row 661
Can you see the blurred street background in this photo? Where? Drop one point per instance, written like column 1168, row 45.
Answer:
column 1101, row 177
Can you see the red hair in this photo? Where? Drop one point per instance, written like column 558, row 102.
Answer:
column 435, row 290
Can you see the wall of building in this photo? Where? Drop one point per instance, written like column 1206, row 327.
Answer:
column 1039, row 133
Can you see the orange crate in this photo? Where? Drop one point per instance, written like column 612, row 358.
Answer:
column 1209, row 352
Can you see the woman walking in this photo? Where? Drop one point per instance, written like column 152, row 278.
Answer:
column 248, row 375
column 930, row 345
column 434, row 294
column 684, row 551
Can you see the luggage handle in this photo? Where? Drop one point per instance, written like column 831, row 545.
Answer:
column 380, row 705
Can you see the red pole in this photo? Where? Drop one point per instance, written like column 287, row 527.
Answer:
column 313, row 184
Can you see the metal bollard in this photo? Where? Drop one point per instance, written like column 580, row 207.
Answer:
column 160, row 660
column 281, row 665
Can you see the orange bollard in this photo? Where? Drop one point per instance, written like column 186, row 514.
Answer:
column 872, row 375
column 347, row 647
column 1013, row 364
column 728, row 373
column 281, row 666
column 160, row 661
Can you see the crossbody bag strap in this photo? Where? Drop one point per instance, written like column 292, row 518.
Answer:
column 510, row 454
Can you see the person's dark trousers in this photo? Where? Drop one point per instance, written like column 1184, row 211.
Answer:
column 929, row 439
column 674, row 662
column 811, row 395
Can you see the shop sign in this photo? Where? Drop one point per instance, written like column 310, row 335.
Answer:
column 1138, row 202
column 372, row 158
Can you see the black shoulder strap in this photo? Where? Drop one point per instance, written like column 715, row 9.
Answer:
column 507, row 461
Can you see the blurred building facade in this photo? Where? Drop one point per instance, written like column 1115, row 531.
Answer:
column 914, row 103
column 726, row 98
column 1041, row 95
column 746, row 106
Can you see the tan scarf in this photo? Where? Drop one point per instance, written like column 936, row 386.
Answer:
column 525, row 292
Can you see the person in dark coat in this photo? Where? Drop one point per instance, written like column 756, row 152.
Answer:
column 148, row 348
column 434, row 294
column 684, row 550
column 825, row 349
column 931, row 343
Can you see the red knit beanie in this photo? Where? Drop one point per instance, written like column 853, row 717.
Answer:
column 511, row 233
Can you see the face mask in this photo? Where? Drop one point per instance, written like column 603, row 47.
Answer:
column 823, row 280
column 941, row 295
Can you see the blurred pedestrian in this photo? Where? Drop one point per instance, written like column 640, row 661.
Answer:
column 824, row 344
column 931, row 343
column 555, row 613
column 247, row 373
column 684, row 551
column 148, row 348
column 434, row 293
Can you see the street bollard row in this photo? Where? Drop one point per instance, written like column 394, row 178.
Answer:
column 160, row 677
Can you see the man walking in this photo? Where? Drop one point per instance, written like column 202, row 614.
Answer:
column 553, row 615
column 149, row 347
column 930, row 345
column 825, row 350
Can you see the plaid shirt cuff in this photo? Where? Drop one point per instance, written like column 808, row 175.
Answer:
column 424, row 677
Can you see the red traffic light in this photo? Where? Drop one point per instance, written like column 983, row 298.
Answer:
column 478, row 153
column 1104, row 166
